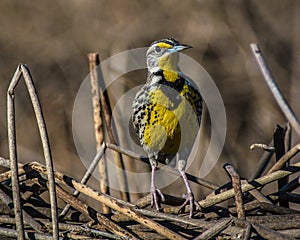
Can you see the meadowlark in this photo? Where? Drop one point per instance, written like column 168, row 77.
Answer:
column 166, row 114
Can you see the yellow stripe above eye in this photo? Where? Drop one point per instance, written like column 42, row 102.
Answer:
column 164, row 45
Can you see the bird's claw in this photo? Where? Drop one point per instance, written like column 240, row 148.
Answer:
column 190, row 199
column 155, row 201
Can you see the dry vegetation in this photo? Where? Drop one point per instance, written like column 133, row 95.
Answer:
column 53, row 40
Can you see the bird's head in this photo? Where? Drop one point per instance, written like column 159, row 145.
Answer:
column 163, row 55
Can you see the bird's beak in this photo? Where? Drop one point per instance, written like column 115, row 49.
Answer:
column 179, row 48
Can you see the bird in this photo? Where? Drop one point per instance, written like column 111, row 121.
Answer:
column 166, row 115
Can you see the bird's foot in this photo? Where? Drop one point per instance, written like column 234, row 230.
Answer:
column 190, row 199
column 156, row 197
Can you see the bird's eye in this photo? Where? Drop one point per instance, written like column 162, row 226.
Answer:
column 157, row 49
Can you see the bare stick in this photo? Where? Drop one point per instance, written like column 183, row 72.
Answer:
column 286, row 109
column 277, row 222
column 288, row 137
column 213, row 231
column 247, row 232
column 257, row 194
column 236, row 183
column 293, row 233
column 13, row 153
column 263, row 163
column 190, row 177
column 286, row 157
column 277, row 209
column 98, row 125
column 291, row 186
column 104, row 99
column 289, row 197
column 268, row 233
column 262, row 146
column 86, row 177
column 279, row 144
column 252, row 185
column 45, row 143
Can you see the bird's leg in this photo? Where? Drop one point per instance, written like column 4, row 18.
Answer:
column 189, row 195
column 153, row 189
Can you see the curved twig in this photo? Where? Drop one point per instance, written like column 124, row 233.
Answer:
column 285, row 107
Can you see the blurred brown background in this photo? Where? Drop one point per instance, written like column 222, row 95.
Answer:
column 54, row 38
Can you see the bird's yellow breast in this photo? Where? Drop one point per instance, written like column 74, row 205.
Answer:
column 168, row 125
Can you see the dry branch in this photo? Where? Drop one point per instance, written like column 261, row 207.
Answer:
column 267, row 233
column 279, row 144
column 262, row 163
column 13, row 154
column 277, row 222
column 247, row 232
column 236, row 183
column 213, row 231
column 262, row 146
column 106, row 114
column 257, row 194
column 291, row 186
column 282, row 161
column 98, row 124
column 22, row 70
column 286, row 109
